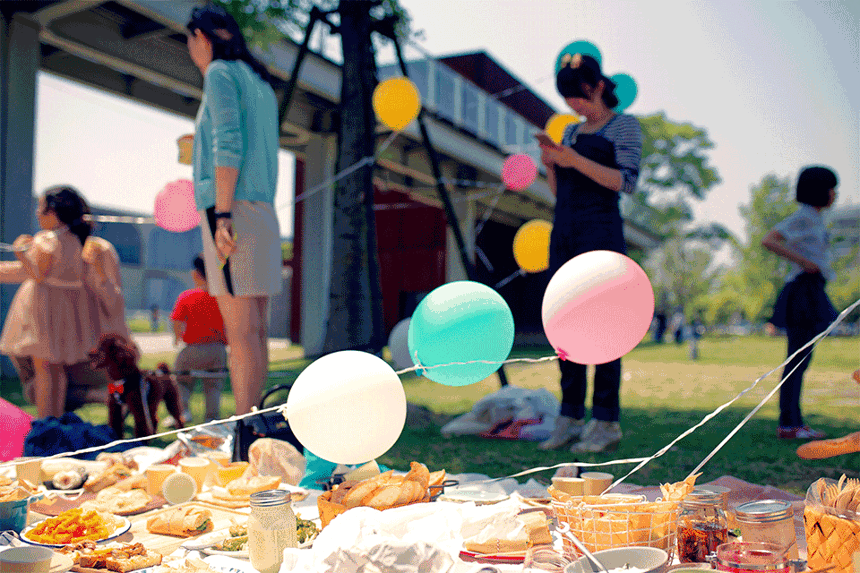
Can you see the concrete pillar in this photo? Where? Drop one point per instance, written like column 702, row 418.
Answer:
column 466, row 214
column 19, row 64
column 321, row 153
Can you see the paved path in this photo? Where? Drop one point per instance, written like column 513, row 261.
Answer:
column 151, row 343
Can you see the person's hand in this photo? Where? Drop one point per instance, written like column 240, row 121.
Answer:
column 225, row 239
column 546, row 158
column 23, row 242
column 562, row 156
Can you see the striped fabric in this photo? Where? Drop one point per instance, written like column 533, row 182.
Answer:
column 625, row 133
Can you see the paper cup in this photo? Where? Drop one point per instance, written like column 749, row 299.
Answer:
column 198, row 468
column 186, row 149
column 29, row 559
column 30, row 470
column 569, row 485
column 220, row 458
column 178, row 488
column 595, row 482
column 155, row 476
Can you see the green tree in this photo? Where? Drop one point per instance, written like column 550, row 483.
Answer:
column 752, row 285
column 675, row 171
column 355, row 318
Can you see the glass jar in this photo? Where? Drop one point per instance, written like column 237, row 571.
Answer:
column 702, row 526
column 271, row 529
column 750, row 557
column 768, row 521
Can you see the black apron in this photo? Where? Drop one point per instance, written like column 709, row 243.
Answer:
column 587, row 217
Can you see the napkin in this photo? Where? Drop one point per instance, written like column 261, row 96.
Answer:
column 511, row 534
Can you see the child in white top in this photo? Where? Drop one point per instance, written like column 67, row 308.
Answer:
column 803, row 308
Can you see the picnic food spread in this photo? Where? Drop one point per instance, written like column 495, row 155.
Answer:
column 115, row 525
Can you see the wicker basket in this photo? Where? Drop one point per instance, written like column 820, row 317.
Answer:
column 329, row 510
column 830, row 539
column 609, row 521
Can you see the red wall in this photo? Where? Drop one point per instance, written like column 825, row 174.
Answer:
column 411, row 239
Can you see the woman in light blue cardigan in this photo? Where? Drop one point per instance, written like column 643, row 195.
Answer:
column 235, row 176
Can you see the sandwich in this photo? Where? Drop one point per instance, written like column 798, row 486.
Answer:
column 239, row 490
column 107, row 478
column 185, row 521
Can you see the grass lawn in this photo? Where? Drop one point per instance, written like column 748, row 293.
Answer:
column 663, row 394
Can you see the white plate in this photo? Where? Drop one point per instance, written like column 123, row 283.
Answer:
column 244, row 553
column 123, row 527
column 476, row 496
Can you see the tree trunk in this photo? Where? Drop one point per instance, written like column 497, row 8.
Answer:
column 355, row 296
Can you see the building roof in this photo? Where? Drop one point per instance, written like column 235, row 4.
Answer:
column 485, row 72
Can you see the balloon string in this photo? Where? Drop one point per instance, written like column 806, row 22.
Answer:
column 499, row 192
column 419, row 366
column 509, row 278
column 484, row 259
column 814, row 342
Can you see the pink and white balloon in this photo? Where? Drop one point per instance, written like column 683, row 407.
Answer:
column 597, row 307
column 174, row 207
column 519, row 172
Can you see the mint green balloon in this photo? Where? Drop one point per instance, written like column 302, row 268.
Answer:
column 579, row 47
column 462, row 321
column 625, row 91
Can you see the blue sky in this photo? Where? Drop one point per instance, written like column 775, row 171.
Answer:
column 770, row 81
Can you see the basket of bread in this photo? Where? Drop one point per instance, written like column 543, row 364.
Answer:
column 831, row 518
column 619, row 520
column 382, row 491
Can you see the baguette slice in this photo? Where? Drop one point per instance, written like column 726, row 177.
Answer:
column 133, row 562
column 245, row 486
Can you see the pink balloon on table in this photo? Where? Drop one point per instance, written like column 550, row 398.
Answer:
column 518, row 172
column 174, row 207
column 597, row 307
column 14, row 425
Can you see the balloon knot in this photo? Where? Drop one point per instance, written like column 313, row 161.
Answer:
column 562, row 355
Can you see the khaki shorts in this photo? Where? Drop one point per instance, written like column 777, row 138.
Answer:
column 200, row 357
column 255, row 267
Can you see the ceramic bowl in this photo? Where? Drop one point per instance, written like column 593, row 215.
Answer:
column 647, row 559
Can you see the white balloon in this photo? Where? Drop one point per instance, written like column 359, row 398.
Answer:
column 347, row 407
column 398, row 345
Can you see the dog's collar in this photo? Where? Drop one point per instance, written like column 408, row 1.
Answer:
column 117, row 387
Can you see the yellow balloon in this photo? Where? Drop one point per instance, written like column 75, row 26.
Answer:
column 531, row 246
column 396, row 102
column 556, row 124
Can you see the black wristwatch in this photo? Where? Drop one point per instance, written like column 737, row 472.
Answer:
column 223, row 215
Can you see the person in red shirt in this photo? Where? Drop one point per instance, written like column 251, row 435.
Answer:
column 199, row 324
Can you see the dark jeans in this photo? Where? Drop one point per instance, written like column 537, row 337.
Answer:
column 594, row 232
column 607, row 384
column 789, row 392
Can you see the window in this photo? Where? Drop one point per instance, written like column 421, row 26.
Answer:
column 491, row 120
column 446, row 96
column 125, row 237
column 175, row 251
column 470, row 107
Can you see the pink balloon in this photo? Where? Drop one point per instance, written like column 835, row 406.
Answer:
column 174, row 207
column 518, row 172
column 597, row 307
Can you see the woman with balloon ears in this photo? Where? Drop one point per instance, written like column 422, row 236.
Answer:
column 235, row 164
column 596, row 161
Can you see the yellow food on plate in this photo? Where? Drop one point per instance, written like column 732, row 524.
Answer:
column 74, row 525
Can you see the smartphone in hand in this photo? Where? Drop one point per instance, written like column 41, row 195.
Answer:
column 545, row 140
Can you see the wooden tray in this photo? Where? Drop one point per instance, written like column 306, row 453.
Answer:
column 59, row 504
column 222, row 519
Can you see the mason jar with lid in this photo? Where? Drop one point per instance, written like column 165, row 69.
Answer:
column 271, row 529
column 768, row 521
column 702, row 526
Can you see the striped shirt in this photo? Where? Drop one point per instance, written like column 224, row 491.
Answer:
column 625, row 133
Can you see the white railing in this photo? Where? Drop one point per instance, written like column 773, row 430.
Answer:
column 459, row 101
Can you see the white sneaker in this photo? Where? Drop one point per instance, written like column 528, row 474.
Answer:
column 598, row 436
column 566, row 430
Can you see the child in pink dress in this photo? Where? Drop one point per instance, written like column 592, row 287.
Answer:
column 51, row 316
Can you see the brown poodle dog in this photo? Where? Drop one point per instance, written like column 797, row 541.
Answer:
column 142, row 392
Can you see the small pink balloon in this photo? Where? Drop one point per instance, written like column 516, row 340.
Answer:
column 597, row 307
column 174, row 207
column 518, row 172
